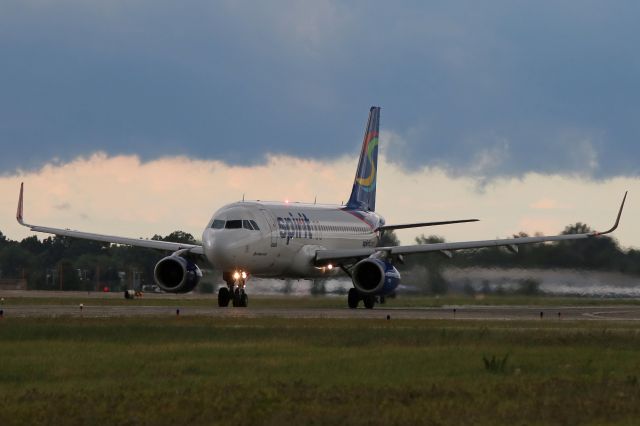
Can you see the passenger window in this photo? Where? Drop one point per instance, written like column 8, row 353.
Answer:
column 217, row 224
column 233, row 224
column 255, row 225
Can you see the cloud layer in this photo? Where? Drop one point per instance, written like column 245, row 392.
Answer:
column 121, row 195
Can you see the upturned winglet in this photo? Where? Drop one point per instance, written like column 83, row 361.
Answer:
column 615, row 225
column 19, row 213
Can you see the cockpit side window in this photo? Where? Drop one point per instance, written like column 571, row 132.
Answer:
column 255, row 225
column 247, row 225
column 217, row 224
column 233, row 224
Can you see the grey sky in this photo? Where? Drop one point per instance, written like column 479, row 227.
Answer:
column 490, row 88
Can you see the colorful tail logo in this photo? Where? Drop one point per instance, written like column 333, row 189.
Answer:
column 363, row 194
column 371, row 148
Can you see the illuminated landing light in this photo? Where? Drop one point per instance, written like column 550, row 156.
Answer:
column 329, row 266
column 236, row 275
column 244, row 275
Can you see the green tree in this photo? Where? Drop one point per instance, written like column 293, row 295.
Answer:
column 67, row 275
column 14, row 261
column 388, row 239
column 433, row 263
column 177, row 237
column 32, row 245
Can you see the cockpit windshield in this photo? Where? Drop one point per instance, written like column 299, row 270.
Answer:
column 251, row 225
column 233, row 224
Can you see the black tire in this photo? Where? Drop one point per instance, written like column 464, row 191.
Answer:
column 223, row 297
column 244, row 300
column 369, row 302
column 353, row 298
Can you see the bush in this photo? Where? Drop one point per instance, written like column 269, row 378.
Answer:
column 495, row 365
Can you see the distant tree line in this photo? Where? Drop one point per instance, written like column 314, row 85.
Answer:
column 63, row 263
column 425, row 271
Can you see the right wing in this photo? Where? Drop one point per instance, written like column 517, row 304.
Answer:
column 153, row 244
column 347, row 256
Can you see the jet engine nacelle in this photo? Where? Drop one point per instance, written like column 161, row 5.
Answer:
column 375, row 277
column 175, row 274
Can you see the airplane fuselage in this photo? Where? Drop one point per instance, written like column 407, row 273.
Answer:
column 287, row 236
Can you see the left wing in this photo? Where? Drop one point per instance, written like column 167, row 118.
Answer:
column 324, row 257
column 153, row 244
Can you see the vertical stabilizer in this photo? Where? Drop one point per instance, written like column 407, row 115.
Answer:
column 363, row 194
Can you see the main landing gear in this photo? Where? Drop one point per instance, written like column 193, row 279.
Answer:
column 354, row 297
column 234, row 291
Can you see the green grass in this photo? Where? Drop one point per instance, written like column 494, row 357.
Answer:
column 198, row 370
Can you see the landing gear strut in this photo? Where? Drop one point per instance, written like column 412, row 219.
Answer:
column 234, row 291
column 354, row 298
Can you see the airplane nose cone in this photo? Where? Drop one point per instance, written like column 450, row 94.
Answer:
column 221, row 249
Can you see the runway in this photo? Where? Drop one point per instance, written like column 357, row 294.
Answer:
column 478, row 313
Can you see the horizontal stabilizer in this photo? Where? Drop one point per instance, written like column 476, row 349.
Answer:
column 421, row 224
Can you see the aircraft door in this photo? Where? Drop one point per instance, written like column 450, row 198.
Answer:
column 273, row 226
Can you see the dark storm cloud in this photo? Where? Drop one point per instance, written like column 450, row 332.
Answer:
column 500, row 88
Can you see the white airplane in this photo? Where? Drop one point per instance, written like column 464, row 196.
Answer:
column 296, row 240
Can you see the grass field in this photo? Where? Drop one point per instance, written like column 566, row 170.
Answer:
column 201, row 370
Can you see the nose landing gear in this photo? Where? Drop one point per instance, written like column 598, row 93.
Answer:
column 234, row 292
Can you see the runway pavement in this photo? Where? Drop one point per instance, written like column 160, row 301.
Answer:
column 480, row 313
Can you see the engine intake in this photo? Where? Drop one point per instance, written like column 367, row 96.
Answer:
column 375, row 277
column 175, row 274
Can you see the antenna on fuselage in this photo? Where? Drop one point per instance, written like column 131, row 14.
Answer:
column 315, row 199
column 243, row 198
